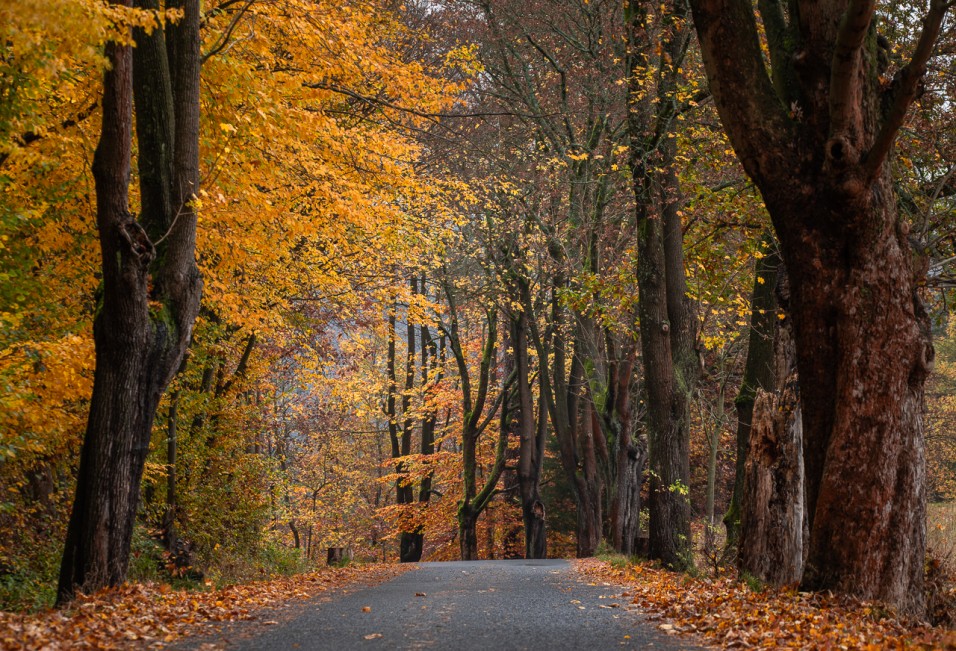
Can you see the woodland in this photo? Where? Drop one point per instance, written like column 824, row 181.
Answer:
column 289, row 283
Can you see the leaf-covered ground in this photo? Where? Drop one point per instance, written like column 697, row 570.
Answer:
column 153, row 615
column 727, row 614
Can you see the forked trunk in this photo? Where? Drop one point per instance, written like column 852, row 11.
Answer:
column 863, row 355
column 150, row 297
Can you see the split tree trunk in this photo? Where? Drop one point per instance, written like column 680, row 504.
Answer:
column 816, row 133
column 773, row 515
column 758, row 373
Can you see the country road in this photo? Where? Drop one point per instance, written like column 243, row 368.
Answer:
column 479, row 605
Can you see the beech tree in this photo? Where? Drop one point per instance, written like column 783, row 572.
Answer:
column 815, row 130
column 151, row 285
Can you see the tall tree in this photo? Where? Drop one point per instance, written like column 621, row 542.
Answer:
column 151, row 285
column 814, row 132
column 666, row 320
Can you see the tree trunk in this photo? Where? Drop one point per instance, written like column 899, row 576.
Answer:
column 531, row 441
column 473, row 501
column 667, row 333
column 150, row 299
column 410, row 545
column 758, row 372
column 169, row 517
column 774, row 522
column 816, row 138
column 863, row 355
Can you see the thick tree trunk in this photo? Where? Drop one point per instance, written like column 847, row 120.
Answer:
column 773, row 515
column 138, row 346
column 666, row 326
column 816, row 137
column 863, row 356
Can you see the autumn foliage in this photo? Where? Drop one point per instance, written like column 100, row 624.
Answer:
column 398, row 202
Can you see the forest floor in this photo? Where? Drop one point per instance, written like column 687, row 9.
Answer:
column 719, row 612
column 148, row 615
column 729, row 614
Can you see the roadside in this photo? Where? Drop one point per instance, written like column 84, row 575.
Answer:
column 729, row 614
column 154, row 615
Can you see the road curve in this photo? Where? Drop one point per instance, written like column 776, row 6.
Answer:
column 513, row 605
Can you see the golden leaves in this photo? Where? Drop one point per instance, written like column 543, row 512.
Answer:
column 156, row 614
column 727, row 613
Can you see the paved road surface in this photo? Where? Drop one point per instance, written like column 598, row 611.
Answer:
column 480, row 605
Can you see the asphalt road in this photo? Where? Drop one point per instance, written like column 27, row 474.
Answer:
column 479, row 605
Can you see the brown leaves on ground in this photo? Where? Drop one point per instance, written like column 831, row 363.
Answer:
column 151, row 615
column 728, row 614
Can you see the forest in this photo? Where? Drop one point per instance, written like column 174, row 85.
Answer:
column 295, row 283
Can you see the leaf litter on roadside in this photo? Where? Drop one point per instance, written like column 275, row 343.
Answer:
column 728, row 614
column 150, row 615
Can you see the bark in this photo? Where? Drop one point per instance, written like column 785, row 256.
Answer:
column 666, row 326
column 531, row 441
column 138, row 346
column 410, row 546
column 774, row 522
column 169, row 517
column 758, row 373
column 573, row 429
column 862, row 335
column 627, row 448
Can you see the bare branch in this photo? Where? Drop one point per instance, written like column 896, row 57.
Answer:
column 224, row 39
column 905, row 87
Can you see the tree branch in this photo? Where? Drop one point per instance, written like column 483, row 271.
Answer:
column 755, row 118
column 904, row 88
column 845, row 69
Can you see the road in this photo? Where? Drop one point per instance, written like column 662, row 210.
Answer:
column 514, row 605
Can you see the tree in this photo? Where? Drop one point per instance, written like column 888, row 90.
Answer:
column 151, row 285
column 667, row 323
column 815, row 132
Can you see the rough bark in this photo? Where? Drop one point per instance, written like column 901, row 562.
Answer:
column 666, row 326
column 758, row 373
column 774, row 523
column 629, row 449
column 150, row 295
column 862, row 336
